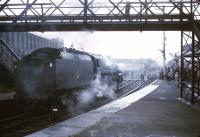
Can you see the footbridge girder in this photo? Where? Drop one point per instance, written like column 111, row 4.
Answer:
column 117, row 26
column 103, row 15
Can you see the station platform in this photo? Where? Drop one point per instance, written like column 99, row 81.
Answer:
column 154, row 111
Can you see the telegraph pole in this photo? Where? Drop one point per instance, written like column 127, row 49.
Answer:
column 163, row 51
column 164, row 44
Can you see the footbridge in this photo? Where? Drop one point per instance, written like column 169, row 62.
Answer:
column 103, row 15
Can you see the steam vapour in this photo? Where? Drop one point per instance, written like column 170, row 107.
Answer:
column 98, row 89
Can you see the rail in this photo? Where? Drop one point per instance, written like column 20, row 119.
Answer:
column 7, row 56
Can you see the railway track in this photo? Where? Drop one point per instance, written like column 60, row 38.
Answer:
column 137, row 87
column 26, row 123
column 14, row 117
column 128, row 85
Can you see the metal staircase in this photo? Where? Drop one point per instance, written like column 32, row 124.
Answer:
column 7, row 56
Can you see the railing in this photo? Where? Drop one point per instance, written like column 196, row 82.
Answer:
column 7, row 56
column 52, row 14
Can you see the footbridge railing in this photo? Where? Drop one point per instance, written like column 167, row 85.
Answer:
column 60, row 15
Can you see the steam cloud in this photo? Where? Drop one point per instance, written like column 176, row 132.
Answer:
column 98, row 89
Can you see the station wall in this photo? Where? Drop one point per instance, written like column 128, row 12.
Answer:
column 23, row 43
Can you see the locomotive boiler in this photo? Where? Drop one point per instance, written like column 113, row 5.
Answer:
column 47, row 72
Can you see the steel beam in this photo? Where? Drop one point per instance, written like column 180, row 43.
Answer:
column 119, row 26
column 28, row 6
column 4, row 5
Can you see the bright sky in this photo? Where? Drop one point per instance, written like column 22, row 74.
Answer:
column 122, row 44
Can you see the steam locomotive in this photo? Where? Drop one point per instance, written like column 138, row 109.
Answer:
column 47, row 72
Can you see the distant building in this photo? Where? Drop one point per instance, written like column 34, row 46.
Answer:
column 135, row 67
column 133, row 64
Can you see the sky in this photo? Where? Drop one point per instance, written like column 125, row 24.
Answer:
column 122, row 45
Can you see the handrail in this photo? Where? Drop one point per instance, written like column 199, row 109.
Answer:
column 7, row 56
column 9, row 49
